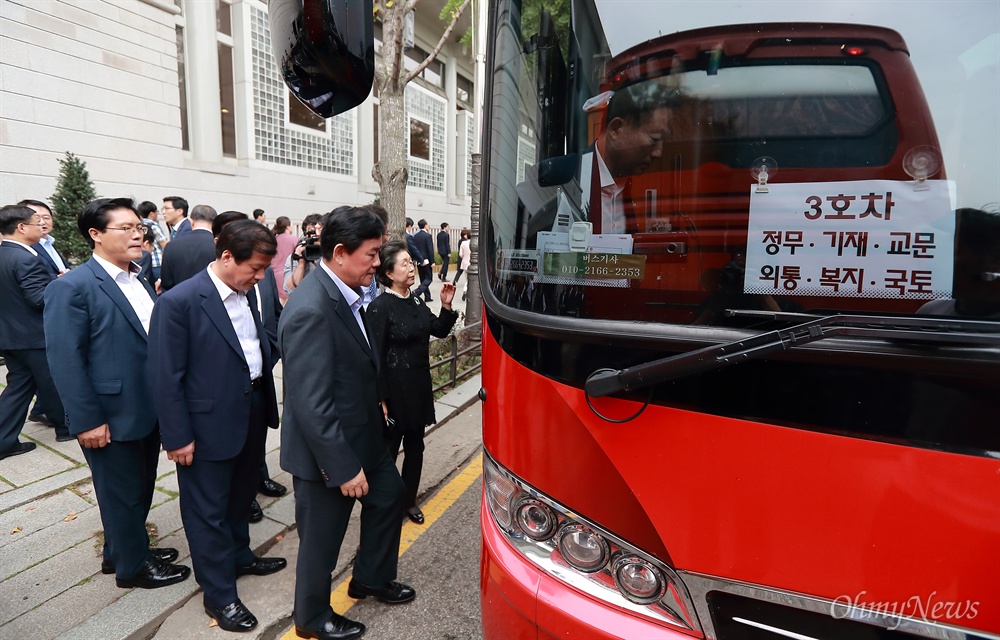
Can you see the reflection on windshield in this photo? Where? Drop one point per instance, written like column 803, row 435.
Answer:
column 778, row 167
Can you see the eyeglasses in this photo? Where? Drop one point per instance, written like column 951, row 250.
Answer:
column 33, row 224
column 130, row 229
column 406, row 264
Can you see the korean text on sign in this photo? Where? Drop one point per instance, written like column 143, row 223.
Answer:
column 860, row 239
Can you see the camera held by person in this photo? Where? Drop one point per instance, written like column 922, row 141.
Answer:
column 312, row 252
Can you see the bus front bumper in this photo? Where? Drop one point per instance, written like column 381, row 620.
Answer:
column 519, row 601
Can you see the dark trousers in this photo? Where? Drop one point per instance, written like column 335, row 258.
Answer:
column 413, row 460
column 322, row 515
column 215, row 509
column 443, row 273
column 458, row 274
column 426, row 277
column 124, row 475
column 27, row 372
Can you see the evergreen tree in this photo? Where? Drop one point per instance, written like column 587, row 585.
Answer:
column 73, row 190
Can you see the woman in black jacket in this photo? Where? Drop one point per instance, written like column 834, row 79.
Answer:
column 401, row 325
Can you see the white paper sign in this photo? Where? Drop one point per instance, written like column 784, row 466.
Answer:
column 859, row 239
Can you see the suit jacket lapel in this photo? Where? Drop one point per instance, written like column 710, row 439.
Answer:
column 345, row 314
column 216, row 311
column 110, row 287
column 265, row 343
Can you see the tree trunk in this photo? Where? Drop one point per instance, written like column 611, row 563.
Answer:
column 391, row 172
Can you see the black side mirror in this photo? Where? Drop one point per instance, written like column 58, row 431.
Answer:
column 325, row 50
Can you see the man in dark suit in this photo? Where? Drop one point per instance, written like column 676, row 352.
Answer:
column 422, row 238
column 54, row 261
column 444, row 250
column 331, row 439
column 96, row 324
column 190, row 253
column 637, row 124
column 210, row 359
column 23, row 279
column 175, row 212
column 265, row 296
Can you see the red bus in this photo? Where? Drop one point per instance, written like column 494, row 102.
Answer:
column 741, row 350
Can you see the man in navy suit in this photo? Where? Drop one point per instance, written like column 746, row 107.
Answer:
column 96, row 324
column 331, row 441
column 189, row 254
column 210, row 359
column 23, row 279
column 265, row 296
column 175, row 211
column 54, row 261
column 422, row 238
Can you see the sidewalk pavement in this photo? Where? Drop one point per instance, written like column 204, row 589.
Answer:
column 51, row 539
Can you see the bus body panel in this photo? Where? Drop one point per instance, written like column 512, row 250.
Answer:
column 799, row 503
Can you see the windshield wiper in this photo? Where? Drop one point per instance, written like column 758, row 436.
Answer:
column 913, row 329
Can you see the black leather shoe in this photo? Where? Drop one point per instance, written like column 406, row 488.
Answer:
column 163, row 554
column 64, row 436
column 390, row 593
column 262, row 567
column 271, row 489
column 234, row 617
column 155, row 574
column 415, row 515
column 256, row 514
column 41, row 418
column 17, row 449
column 336, row 628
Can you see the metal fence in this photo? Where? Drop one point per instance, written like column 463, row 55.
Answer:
column 465, row 341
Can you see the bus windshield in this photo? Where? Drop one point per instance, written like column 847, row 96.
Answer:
column 674, row 169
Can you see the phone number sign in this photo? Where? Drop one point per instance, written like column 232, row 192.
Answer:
column 859, row 239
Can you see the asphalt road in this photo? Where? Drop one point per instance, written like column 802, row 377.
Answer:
column 443, row 566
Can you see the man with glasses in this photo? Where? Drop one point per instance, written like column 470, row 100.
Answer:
column 23, row 279
column 53, row 260
column 175, row 211
column 97, row 322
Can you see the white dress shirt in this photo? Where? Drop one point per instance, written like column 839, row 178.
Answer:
column 135, row 293
column 351, row 297
column 238, row 308
column 47, row 243
column 612, row 210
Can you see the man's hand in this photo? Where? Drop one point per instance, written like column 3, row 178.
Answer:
column 183, row 456
column 157, row 288
column 357, row 487
column 95, row 438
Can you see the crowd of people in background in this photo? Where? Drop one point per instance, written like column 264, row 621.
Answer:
column 168, row 339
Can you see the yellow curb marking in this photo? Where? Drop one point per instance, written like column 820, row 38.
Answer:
column 435, row 508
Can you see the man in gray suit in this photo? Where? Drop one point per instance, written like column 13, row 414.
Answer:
column 331, row 436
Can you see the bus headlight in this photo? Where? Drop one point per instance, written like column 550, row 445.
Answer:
column 583, row 549
column 500, row 491
column 638, row 580
column 536, row 520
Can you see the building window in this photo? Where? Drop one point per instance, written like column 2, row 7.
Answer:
column 299, row 114
column 227, row 100
column 227, row 94
column 464, row 90
column 182, row 89
column 375, row 129
column 224, row 18
column 433, row 73
column 420, row 139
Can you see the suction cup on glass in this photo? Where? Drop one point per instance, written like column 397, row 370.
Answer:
column 763, row 169
column 921, row 163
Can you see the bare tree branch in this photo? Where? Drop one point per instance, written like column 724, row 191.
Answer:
column 410, row 6
column 437, row 49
